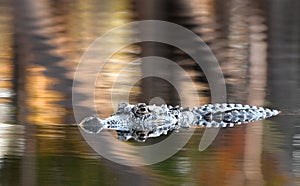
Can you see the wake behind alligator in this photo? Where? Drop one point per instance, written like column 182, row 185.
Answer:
column 142, row 121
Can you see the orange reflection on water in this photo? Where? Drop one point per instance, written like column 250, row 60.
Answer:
column 227, row 160
column 119, row 70
column 41, row 101
column 6, row 67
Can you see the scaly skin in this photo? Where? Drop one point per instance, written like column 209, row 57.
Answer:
column 143, row 121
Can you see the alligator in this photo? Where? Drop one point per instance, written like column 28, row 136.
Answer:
column 142, row 121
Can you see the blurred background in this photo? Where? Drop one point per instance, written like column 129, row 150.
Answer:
column 257, row 43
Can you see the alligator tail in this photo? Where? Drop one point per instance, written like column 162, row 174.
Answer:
column 228, row 115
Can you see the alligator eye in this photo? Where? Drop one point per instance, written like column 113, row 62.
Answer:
column 140, row 105
column 143, row 109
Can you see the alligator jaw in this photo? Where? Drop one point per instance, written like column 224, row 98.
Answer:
column 91, row 124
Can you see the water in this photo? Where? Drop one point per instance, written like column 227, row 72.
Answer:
column 256, row 43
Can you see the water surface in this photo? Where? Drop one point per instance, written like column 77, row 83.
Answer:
column 256, row 43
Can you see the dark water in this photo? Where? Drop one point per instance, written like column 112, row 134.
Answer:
column 256, row 43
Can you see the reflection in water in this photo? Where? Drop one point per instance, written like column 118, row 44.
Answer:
column 6, row 67
column 238, row 47
column 41, row 100
column 44, row 62
column 42, row 42
column 257, row 84
column 283, row 58
column 11, row 141
column 11, row 134
column 114, row 80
